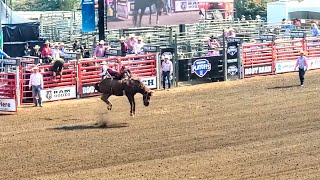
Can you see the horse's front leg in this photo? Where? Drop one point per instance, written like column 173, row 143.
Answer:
column 132, row 104
column 105, row 99
column 157, row 18
column 141, row 14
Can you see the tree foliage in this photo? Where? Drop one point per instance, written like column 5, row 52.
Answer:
column 46, row 5
column 251, row 7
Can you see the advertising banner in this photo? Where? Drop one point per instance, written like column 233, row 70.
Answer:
column 285, row 66
column 314, row 63
column 88, row 90
column 186, row 5
column 255, row 70
column 8, row 105
column 123, row 9
column 150, row 82
column 88, row 16
column 59, row 93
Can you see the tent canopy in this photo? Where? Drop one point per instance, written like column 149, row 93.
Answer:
column 10, row 17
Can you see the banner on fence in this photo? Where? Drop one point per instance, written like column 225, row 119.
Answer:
column 186, row 5
column 123, row 9
column 88, row 16
column 8, row 105
column 260, row 69
column 88, row 90
column 314, row 63
column 285, row 66
column 59, row 93
column 150, row 82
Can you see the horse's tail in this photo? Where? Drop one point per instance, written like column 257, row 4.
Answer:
column 97, row 87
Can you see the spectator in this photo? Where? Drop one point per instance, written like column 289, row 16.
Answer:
column 302, row 64
column 56, row 53
column 62, row 49
column 213, row 45
column 36, row 52
column 315, row 30
column 230, row 33
column 100, row 50
column 77, row 47
column 138, row 46
column 297, row 23
column 167, row 70
column 124, row 47
column 284, row 21
column 46, row 53
column 131, row 42
column 36, row 83
column 27, row 50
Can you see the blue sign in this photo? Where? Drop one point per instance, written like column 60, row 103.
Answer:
column 88, row 16
column 200, row 67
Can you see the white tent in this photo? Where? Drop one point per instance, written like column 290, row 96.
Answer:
column 307, row 9
column 10, row 17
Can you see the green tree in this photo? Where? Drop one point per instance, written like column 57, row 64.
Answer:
column 251, row 7
column 46, row 5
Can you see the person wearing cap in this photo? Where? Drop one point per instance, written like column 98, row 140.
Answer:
column 131, row 41
column 230, row 33
column 36, row 83
column 138, row 46
column 104, row 70
column 100, row 50
column 302, row 64
column 167, row 69
column 123, row 47
column 62, row 49
column 46, row 53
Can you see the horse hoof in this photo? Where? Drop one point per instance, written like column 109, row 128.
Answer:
column 132, row 114
column 109, row 108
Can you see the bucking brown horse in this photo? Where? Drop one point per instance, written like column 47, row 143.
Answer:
column 142, row 5
column 127, row 87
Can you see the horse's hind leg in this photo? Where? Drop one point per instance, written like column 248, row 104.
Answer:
column 105, row 99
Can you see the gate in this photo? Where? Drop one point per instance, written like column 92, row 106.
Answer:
column 8, row 95
column 53, row 90
column 257, row 59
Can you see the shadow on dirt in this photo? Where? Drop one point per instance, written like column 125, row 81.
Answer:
column 88, row 126
column 284, row 87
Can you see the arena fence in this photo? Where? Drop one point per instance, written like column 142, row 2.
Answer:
column 8, row 94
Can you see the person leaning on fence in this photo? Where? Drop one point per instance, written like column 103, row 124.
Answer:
column 46, row 53
column 302, row 64
column 36, row 83
column 131, row 41
column 167, row 69
column 36, row 51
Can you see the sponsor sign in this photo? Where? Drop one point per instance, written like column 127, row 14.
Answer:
column 88, row 16
column 314, row 63
column 232, row 50
column 150, row 48
column 9, row 61
column 88, row 90
column 267, row 37
column 123, row 9
column 150, row 82
column 8, row 105
column 186, row 5
column 59, row 93
column 285, row 66
column 200, row 67
column 297, row 34
column 257, row 70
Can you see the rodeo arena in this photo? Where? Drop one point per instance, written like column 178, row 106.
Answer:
column 192, row 93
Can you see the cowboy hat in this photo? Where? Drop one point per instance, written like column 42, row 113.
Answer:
column 104, row 63
column 132, row 35
column 301, row 52
column 122, row 39
column 46, row 42
column 35, row 68
column 101, row 42
column 36, row 47
column 139, row 39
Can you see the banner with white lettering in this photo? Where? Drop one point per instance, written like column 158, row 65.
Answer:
column 255, row 70
column 59, row 93
column 314, row 63
column 88, row 90
column 8, row 105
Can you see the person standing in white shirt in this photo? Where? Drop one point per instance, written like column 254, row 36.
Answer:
column 167, row 70
column 138, row 46
column 36, row 82
column 302, row 64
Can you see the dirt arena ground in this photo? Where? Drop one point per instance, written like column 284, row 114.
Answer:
column 172, row 19
column 258, row 128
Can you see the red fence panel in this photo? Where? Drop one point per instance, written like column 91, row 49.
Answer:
column 257, row 59
column 8, row 98
column 143, row 66
column 286, row 54
column 54, row 89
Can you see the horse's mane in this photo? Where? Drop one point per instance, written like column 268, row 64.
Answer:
column 141, row 85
